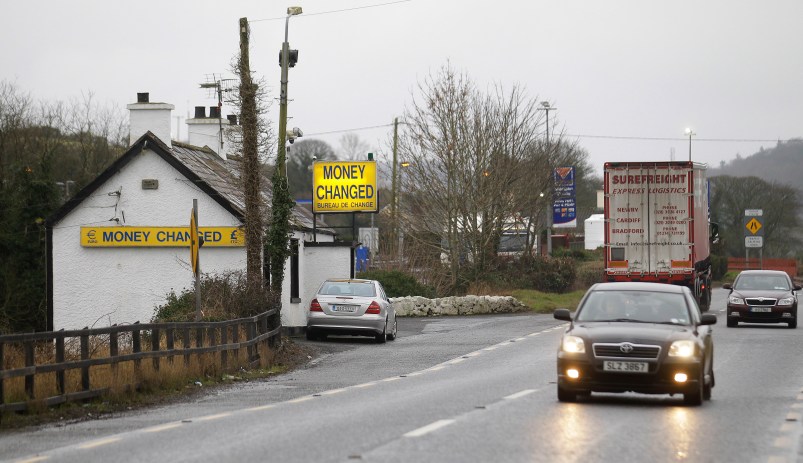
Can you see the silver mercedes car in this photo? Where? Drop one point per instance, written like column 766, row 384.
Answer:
column 351, row 307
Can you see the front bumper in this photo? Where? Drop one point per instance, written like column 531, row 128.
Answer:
column 660, row 379
column 778, row 314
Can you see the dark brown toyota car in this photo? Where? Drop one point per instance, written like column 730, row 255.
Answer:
column 643, row 337
column 762, row 296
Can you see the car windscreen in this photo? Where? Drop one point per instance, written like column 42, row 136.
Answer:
column 346, row 288
column 635, row 306
column 762, row 283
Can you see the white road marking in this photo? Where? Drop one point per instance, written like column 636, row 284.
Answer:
column 98, row 443
column 213, row 417
column 299, row 400
column 34, row 459
column 372, row 383
column 429, row 428
column 519, row 394
column 163, row 427
column 260, row 408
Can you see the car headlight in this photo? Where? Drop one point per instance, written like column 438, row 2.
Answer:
column 573, row 344
column 683, row 348
column 735, row 300
column 786, row 301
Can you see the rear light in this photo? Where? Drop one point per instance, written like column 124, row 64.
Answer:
column 314, row 306
column 373, row 308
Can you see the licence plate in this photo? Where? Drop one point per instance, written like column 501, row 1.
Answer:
column 625, row 367
column 344, row 308
column 761, row 309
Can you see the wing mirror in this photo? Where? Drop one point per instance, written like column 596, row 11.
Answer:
column 562, row 314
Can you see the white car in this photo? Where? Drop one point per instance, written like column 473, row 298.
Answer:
column 352, row 307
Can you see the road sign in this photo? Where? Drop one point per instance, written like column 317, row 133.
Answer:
column 753, row 241
column 753, row 212
column 753, row 226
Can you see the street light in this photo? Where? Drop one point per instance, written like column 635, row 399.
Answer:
column 690, row 132
column 285, row 64
column 546, row 107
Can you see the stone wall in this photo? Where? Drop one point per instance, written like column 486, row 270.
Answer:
column 416, row 306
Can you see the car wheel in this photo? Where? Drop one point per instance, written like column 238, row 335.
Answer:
column 394, row 331
column 695, row 397
column 793, row 324
column 565, row 395
column 732, row 323
column 310, row 335
column 382, row 337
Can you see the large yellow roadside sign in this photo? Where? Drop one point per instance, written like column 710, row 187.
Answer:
column 344, row 186
column 160, row 236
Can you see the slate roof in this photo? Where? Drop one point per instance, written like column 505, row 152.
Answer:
column 215, row 176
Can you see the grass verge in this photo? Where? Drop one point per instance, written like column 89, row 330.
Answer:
column 547, row 302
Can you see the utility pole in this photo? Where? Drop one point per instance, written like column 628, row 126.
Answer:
column 546, row 108
column 250, row 164
column 393, row 176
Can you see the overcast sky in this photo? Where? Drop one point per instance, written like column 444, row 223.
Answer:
column 627, row 76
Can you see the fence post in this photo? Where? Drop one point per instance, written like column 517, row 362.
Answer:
column 235, row 338
column 169, row 346
column 155, row 346
column 114, row 350
column 85, row 356
column 2, row 367
column 137, row 346
column 224, row 354
column 60, row 359
column 187, row 345
column 29, row 362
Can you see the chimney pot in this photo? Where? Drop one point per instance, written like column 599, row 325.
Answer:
column 200, row 112
column 143, row 97
column 232, row 119
column 214, row 112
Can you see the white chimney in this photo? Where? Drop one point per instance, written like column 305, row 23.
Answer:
column 145, row 116
column 206, row 131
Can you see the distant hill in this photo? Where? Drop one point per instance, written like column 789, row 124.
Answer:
column 782, row 164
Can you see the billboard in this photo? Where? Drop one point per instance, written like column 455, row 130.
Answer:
column 105, row 237
column 344, row 186
column 564, row 207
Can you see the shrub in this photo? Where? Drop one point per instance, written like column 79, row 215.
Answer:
column 223, row 297
column 719, row 266
column 398, row 284
column 589, row 273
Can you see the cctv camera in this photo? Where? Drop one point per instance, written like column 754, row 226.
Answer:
column 314, row 158
column 297, row 132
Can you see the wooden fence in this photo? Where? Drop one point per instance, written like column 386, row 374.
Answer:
column 737, row 264
column 122, row 344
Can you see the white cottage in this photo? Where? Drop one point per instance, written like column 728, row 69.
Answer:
column 117, row 248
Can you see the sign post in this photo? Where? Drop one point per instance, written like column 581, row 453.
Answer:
column 754, row 233
column 194, row 255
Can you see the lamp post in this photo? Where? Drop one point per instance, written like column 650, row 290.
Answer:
column 285, row 63
column 690, row 132
column 546, row 107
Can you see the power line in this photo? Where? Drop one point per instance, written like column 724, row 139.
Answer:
column 357, row 129
column 335, row 11
column 736, row 140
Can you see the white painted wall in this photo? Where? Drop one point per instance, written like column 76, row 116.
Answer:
column 149, row 116
column 104, row 286
column 594, row 228
column 317, row 264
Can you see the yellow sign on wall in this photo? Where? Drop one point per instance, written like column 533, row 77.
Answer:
column 344, row 186
column 160, row 236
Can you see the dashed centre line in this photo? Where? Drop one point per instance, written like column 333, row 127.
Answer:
column 429, row 428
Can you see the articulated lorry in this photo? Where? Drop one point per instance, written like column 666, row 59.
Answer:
column 657, row 225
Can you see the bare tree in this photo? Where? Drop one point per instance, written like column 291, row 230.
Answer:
column 730, row 196
column 470, row 157
column 352, row 148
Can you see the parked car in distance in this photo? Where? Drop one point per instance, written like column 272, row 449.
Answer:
column 762, row 296
column 648, row 338
column 352, row 307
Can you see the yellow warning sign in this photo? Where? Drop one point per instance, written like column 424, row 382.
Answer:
column 753, row 226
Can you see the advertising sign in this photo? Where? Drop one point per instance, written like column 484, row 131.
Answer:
column 344, row 186
column 160, row 236
column 564, row 207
